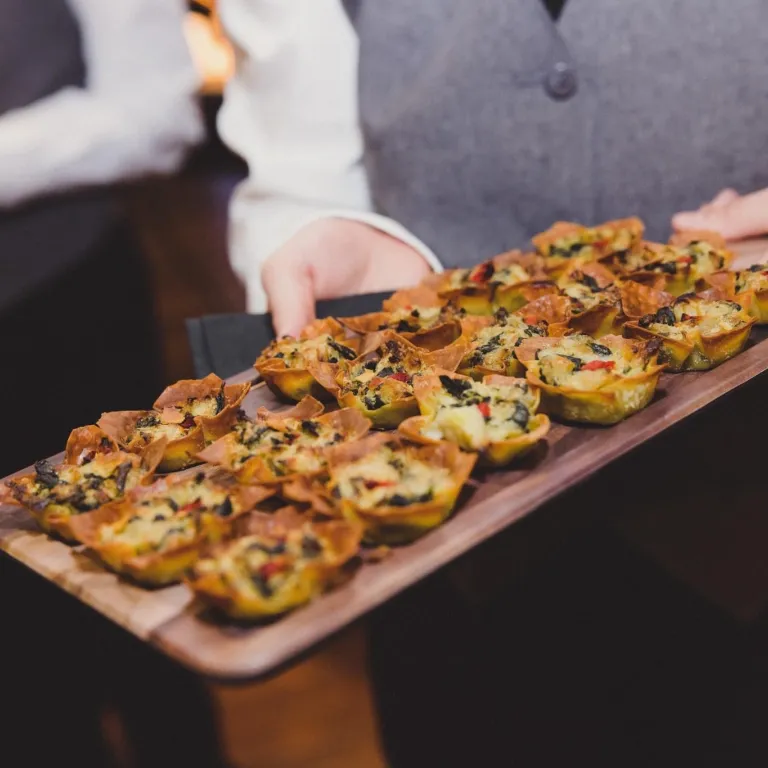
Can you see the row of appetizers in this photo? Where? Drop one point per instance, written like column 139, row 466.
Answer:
column 467, row 367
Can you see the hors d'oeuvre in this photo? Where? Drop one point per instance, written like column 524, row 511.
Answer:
column 496, row 417
column 507, row 281
column 379, row 383
column 748, row 287
column 94, row 473
column 566, row 243
column 281, row 562
column 492, row 341
column 188, row 415
column 596, row 382
column 696, row 333
column 156, row 532
column 276, row 447
column 286, row 364
column 396, row 490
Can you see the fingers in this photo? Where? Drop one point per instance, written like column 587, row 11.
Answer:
column 288, row 283
column 733, row 217
column 722, row 198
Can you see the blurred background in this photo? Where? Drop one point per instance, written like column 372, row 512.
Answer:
column 319, row 713
column 182, row 219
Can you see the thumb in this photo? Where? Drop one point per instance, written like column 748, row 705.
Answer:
column 291, row 296
column 743, row 217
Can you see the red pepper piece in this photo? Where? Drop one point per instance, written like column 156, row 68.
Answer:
column 189, row 421
column 268, row 570
column 596, row 365
column 482, row 273
column 685, row 259
column 371, row 484
column 531, row 319
column 485, row 409
column 400, row 376
column 192, row 506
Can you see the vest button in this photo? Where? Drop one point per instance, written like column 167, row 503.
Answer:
column 561, row 81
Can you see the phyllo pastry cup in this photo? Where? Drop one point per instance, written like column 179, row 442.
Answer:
column 396, row 490
column 286, row 364
column 379, row 383
column 595, row 307
column 278, row 447
column 426, row 327
column 583, row 380
column 188, row 415
column 695, row 333
column 566, row 242
column 282, row 561
column 639, row 300
column 157, row 532
column 496, row 417
column 493, row 341
column 748, row 287
column 507, row 281
column 685, row 263
column 90, row 477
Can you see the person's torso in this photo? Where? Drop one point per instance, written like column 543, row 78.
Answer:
column 485, row 121
column 40, row 54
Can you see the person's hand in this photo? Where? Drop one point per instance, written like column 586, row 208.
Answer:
column 331, row 258
column 734, row 216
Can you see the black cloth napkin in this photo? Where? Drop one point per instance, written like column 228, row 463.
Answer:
column 228, row 344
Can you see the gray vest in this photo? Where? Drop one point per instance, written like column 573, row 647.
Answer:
column 40, row 53
column 484, row 121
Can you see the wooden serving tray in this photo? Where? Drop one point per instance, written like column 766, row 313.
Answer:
column 169, row 620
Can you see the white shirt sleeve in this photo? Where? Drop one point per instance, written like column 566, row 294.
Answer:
column 137, row 113
column 291, row 112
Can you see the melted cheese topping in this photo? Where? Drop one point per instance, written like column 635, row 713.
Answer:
column 580, row 362
column 378, row 382
column 487, row 273
column 298, row 353
column 389, row 477
column 591, row 243
column 296, row 446
column 262, row 566
column 416, row 319
column 494, row 345
column 693, row 261
column 82, row 488
column 583, row 297
column 752, row 279
column 170, row 519
column 696, row 318
column 175, row 422
column 475, row 415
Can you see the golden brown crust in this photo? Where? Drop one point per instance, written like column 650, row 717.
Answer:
column 400, row 524
column 295, row 382
column 339, row 543
column 85, row 440
column 610, row 403
column 695, row 350
column 397, row 395
column 261, row 466
column 158, row 568
column 638, row 300
column 496, row 453
column 57, row 516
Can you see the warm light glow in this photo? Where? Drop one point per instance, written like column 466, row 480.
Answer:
column 211, row 52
